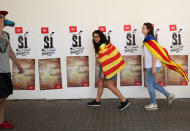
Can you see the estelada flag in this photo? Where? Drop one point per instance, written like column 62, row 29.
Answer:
column 111, row 60
column 162, row 54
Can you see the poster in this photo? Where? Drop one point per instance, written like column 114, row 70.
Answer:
column 159, row 33
column 109, row 33
column 132, row 74
column 131, row 42
column 160, row 36
column 177, row 43
column 50, row 73
column 49, row 45
column 23, row 44
column 25, row 81
column 77, row 44
column 173, row 78
column 97, row 70
column 77, row 71
column 160, row 77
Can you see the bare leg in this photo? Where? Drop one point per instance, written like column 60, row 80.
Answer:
column 100, row 90
column 2, row 109
column 110, row 85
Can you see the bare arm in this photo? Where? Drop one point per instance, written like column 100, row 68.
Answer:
column 154, row 59
column 14, row 59
column 144, row 64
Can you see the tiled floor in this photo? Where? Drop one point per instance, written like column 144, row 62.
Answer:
column 74, row 115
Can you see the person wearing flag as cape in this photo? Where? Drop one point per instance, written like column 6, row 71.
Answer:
column 110, row 63
column 154, row 57
column 6, row 52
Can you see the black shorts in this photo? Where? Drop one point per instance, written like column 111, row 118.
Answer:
column 6, row 86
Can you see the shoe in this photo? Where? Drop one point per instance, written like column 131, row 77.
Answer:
column 94, row 103
column 151, row 107
column 6, row 125
column 124, row 105
column 171, row 98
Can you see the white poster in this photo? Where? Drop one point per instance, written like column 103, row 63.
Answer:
column 157, row 30
column 49, row 46
column 109, row 32
column 77, row 44
column 23, row 44
column 177, row 39
column 131, row 42
column 160, row 34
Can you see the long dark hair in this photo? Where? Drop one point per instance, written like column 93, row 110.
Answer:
column 103, row 39
column 150, row 27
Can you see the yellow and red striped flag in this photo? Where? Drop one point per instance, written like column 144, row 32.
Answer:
column 161, row 53
column 111, row 60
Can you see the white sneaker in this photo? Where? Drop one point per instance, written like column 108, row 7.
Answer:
column 151, row 107
column 171, row 98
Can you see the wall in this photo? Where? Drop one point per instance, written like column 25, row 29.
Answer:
column 91, row 13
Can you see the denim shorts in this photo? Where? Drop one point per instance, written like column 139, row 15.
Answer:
column 100, row 70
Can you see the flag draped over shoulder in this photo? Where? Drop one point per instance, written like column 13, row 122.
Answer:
column 161, row 53
column 111, row 60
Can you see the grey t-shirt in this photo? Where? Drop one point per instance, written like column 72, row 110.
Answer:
column 4, row 53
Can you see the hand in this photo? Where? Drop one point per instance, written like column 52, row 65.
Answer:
column 21, row 70
column 153, row 71
column 102, row 75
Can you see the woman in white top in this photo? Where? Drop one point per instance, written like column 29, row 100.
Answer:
column 152, row 66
